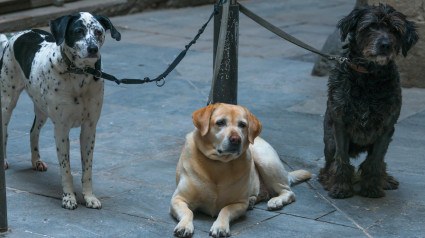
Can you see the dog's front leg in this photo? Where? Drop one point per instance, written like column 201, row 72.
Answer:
column 341, row 170
column 181, row 211
column 87, row 141
column 373, row 170
column 221, row 226
column 62, row 148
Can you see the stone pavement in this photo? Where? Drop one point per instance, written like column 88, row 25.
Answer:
column 142, row 129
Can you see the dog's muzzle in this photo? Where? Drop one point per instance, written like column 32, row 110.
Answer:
column 92, row 51
column 233, row 145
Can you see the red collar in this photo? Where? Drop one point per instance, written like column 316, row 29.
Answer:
column 357, row 68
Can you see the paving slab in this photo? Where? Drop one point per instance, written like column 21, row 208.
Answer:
column 302, row 207
column 57, row 222
column 292, row 226
column 406, row 223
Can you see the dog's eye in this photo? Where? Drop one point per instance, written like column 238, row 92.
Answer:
column 79, row 31
column 221, row 122
column 242, row 124
column 98, row 32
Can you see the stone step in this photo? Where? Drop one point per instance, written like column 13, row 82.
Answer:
column 37, row 17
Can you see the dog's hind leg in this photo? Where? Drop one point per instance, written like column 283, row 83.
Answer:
column 273, row 174
column 87, row 140
column 372, row 171
column 390, row 182
column 39, row 121
column 11, row 87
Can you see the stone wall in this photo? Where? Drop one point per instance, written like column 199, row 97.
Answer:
column 412, row 68
column 35, row 18
column 140, row 5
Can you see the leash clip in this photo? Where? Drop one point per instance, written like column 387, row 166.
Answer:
column 98, row 74
column 79, row 71
column 160, row 82
column 339, row 59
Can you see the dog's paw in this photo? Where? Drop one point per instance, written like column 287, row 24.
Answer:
column 92, row 202
column 323, row 176
column 69, row 201
column 341, row 191
column 277, row 203
column 39, row 165
column 372, row 192
column 220, row 229
column 390, row 183
column 6, row 165
column 184, row 229
column 251, row 202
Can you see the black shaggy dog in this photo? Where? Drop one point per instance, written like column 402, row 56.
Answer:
column 364, row 100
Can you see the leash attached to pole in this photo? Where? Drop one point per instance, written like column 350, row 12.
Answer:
column 295, row 41
column 160, row 80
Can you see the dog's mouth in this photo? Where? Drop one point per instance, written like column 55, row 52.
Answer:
column 92, row 56
column 383, row 59
column 235, row 152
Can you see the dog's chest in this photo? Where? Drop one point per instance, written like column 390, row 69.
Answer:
column 368, row 110
column 64, row 97
column 232, row 187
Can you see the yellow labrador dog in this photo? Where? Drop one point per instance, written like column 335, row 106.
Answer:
column 221, row 166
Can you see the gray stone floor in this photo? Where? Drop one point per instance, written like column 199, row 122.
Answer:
column 142, row 129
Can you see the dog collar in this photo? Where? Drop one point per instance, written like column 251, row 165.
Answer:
column 341, row 60
column 357, row 68
column 71, row 68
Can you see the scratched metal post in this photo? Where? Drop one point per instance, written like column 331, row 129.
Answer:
column 3, row 206
column 225, row 87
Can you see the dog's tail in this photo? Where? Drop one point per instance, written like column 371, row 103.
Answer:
column 299, row 176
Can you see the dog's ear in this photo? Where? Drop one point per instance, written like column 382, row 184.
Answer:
column 58, row 28
column 201, row 118
column 349, row 23
column 107, row 25
column 409, row 38
column 254, row 127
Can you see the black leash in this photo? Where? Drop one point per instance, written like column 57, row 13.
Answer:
column 160, row 80
column 293, row 40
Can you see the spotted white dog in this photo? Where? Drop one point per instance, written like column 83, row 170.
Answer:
column 42, row 63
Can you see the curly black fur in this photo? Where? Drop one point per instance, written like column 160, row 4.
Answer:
column 362, row 108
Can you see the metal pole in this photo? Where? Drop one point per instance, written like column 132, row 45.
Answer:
column 225, row 87
column 3, row 206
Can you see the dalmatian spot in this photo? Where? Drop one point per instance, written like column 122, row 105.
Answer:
column 27, row 45
column 69, row 201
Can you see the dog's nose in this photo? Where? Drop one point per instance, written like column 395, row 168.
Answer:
column 235, row 139
column 92, row 49
column 385, row 45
